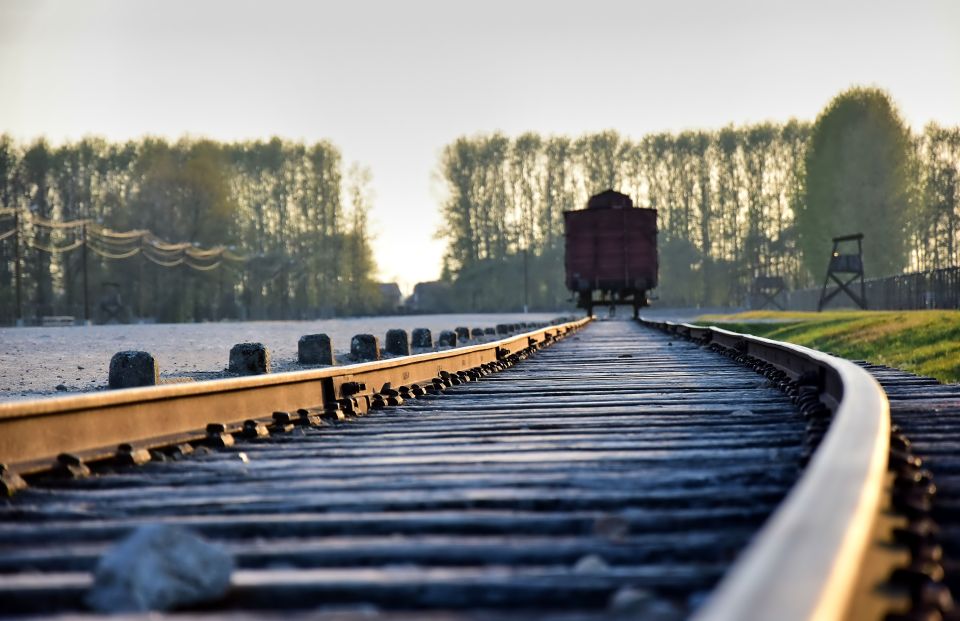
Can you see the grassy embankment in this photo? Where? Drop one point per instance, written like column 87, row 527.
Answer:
column 922, row 342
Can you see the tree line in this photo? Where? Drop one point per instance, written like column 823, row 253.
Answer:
column 290, row 212
column 734, row 204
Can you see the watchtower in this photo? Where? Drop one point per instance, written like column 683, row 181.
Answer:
column 848, row 264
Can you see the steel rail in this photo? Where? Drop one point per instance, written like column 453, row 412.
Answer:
column 91, row 427
column 615, row 465
column 805, row 562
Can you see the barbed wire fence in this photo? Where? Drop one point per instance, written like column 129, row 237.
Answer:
column 19, row 228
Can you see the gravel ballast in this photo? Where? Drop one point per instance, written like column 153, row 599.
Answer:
column 40, row 362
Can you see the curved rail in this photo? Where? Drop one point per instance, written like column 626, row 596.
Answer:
column 805, row 562
column 90, row 427
column 802, row 565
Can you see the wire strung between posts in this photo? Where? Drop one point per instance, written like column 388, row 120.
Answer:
column 118, row 245
column 36, row 220
column 159, row 244
column 55, row 249
column 126, row 235
column 203, row 254
column 200, row 268
column 229, row 256
column 112, row 247
column 174, row 253
column 163, row 263
column 106, row 254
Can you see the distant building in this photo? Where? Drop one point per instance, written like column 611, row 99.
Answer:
column 391, row 297
column 430, row 297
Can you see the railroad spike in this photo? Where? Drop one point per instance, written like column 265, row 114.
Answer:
column 218, row 436
column 360, row 404
column 10, row 481
column 934, row 595
column 917, row 532
column 352, row 388
column 128, row 455
column 253, row 429
column 308, row 418
column 71, row 466
column 179, row 451
column 333, row 412
column 913, row 504
column 283, row 421
column 917, row 574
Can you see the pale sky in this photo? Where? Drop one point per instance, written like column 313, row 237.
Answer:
column 392, row 82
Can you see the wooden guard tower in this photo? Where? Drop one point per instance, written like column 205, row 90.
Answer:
column 848, row 264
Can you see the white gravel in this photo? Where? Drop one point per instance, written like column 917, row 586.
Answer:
column 34, row 362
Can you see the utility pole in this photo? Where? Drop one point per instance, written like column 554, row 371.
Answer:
column 140, row 265
column 526, row 290
column 16, row 264
column 86, row 293
column 218, row 314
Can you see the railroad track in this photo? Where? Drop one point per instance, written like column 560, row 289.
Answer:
column 926, row 418
column 620, row 470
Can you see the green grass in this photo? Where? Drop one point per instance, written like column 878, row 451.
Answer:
column 922, row 342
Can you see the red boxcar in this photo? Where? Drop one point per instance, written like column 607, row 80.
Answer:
column 611, row 250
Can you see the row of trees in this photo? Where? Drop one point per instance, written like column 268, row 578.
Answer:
column 289, row 209
column 734, row 204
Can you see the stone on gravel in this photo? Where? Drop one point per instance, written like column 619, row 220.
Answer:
column 315, row 349
column 448, row 338
column 591, row 564
column 422, row 339
column 249, row 359
column 630, row 600
column 397, row 342
column 503, row 328
column 159, row 567
column 476, row 333
column 131, row 369
column 365, row 347
column 462, row 333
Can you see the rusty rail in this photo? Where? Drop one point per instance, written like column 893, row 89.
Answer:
column 807, row 560
column 43, row 434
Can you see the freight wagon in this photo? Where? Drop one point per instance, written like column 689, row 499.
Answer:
column 611, row 252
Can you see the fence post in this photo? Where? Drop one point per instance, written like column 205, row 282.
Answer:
column 86, row 294
column 16, row 265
